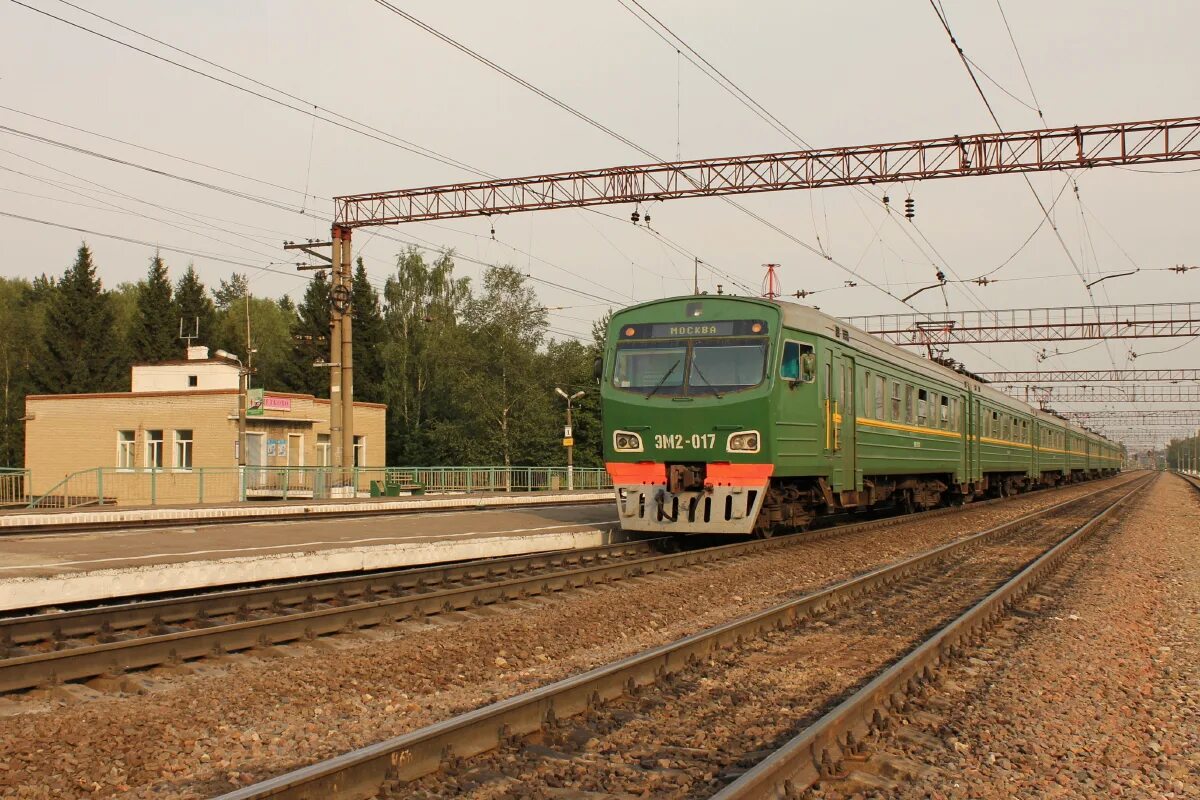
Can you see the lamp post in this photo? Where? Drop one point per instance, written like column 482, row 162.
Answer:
column 569, row 438
column 243, row 388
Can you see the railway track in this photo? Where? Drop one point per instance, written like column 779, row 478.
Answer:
column 694, row 716
column 51, row 648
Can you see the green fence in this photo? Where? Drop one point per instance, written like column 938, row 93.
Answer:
column 14, row 482
column 108, row 486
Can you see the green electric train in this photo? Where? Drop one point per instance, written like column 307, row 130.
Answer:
column 745, row 416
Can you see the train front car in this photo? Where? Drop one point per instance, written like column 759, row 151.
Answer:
column 686, row 389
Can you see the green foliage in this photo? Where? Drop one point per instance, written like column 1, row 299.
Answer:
column 259, row 331
column 155, row 334
column 230, row 291
column 22, row 318
column 84, row 349
column 310, row 340
column 422, row 341
column 368, row 339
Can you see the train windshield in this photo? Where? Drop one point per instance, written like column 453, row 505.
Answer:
column 690, row 368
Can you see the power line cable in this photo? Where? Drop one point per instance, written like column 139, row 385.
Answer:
column 363, row 129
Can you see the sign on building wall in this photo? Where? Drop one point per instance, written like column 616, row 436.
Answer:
column 254, row 403
column 257, row 402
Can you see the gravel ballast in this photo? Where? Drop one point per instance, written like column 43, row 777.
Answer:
column 1092, row 690
column 234, row 721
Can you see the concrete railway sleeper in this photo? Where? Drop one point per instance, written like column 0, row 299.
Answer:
column 442, row 748
column 47, row 649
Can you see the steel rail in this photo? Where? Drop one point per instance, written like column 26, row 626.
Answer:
column 359, row 773
column 110, row 619
column 808, row 757
column 414, row 594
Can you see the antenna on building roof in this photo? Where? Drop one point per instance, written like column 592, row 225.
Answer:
column 190, row 337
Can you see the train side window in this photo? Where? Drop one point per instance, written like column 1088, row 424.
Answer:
column 922, row 407
column 896, row 401
column 880, row 400
column 954, row 413
column 909, row 406
column 799, row 363
column 1005, row 429
column 945, row 412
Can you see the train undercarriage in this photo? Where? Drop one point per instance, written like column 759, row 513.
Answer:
column 690, row 503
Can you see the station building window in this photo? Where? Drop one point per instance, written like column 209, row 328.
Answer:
column 154, row 449
column 360, row 451
column 323, row 457
column 183, row 449
column 125, row 444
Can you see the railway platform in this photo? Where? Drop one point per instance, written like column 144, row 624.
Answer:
column 152, row 554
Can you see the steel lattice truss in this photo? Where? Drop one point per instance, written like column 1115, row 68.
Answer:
column 1035, row 324
column 1075, row 147
column 1089, row 376
column 1106, row 394
column 1119, row 423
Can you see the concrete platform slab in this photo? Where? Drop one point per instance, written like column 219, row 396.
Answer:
column 27, row 520
column 45, row 570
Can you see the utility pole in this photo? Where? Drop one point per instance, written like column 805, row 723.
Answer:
column 569, row 436
column 696, row 275
column 341, row 341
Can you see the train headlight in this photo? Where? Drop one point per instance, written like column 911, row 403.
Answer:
column 627, row 442
column 743, row 442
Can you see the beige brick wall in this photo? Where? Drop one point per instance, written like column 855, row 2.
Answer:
column 68, row 433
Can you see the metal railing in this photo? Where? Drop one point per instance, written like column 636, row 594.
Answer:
column 110, row 486
column 14, row 481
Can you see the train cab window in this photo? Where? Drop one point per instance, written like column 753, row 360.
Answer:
column 922, row 407
column 945, row 413
column 880, row 400
column 799, row 363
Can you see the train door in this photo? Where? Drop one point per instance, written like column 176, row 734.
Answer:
column 974, row 431
column 958, row 411
column 839, row 419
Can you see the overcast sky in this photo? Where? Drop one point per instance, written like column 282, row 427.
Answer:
column 835, row 73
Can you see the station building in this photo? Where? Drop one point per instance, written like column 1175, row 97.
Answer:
column 179, row 417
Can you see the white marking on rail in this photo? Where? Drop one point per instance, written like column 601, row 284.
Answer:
column 296, row 546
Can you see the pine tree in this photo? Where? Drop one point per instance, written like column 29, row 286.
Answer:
column 84, row 351
column 155, row 335
column 310, row 340
column 195, row 307
column 368, row 339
